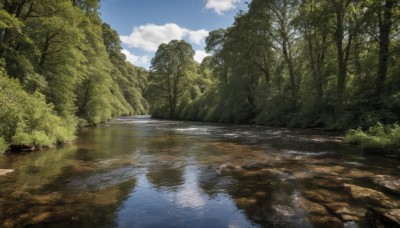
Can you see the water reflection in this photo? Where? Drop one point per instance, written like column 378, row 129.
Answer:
column 185, row 205
column 38, row 193
column 37, row 169
column 139, row 172
column 165, row 176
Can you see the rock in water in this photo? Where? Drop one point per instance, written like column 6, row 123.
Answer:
column 371, row 196
column 4, row 172
column 379, row 217
column 390, row 183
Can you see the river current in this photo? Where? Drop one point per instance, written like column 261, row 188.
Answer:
column 141, row 172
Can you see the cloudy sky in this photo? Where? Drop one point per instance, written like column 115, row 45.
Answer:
column 145, row 24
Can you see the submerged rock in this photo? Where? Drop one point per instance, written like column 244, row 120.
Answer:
column 390, row 183
column 371, row 196
column 379, row 217
column 284, row 210
column 311, row 207
column 228, row 168
column 4, row 172
column 324, row 196
column 245, row 202
column 327, row 183
column 328, row 170
column 325, row 221
column 359, row 174
column 345, row 212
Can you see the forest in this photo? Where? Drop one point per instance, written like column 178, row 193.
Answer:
column 293, row 63
column 61, row 67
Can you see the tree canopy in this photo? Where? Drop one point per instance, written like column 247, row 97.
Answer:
column 304, row 63
column 172, row 79
column 70, row 62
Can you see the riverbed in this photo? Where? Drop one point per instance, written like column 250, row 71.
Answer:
column 141, row 172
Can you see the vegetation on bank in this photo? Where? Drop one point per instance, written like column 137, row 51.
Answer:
column 61, row 67
column 307, row 63
column 378, row 138
column 27, row 119
column 330, row 64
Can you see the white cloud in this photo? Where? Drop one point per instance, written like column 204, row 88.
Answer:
column 198, row 37
column 148, row 37
column 200, row 55
column 141, row 61
column 219, row 6
column 189, row 195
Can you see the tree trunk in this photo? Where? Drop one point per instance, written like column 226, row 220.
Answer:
column 292, row 74
column 385, row 25
column 316, row 58
column 342, row 55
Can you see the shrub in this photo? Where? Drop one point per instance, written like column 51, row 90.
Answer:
column 378, row 138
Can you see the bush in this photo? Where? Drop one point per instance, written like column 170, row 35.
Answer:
column 26, row 119
column 377, row 139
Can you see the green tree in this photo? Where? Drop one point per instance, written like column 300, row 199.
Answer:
column 132, row 81
column 64, row 56
column 384, row 14
column 172, row 71
column 26, row 119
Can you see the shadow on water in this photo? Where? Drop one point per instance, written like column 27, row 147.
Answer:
column 140, row 172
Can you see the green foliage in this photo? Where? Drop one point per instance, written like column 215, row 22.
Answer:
column 8, row 20
column 68, row 65
column 173, row 79
column 99, row 95
column 3, row 145
column 378, row 138
column 27, row 119
column 131, row 81
column 302, row 63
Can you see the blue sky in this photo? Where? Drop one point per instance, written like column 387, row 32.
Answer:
column 145, row 24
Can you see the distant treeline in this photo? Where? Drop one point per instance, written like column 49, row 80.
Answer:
column 60, row 67
column 299, row 63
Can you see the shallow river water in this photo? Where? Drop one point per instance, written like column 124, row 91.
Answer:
column 140, row 172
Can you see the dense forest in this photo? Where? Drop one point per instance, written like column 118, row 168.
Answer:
column 61, row 67
column 297, row 63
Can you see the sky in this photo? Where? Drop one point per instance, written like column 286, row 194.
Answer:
column 144, row 24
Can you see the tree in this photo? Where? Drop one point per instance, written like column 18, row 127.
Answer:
column 284, row 38
column 61, row 53
column 305, row 63
column 131, row 80
column 385, row 17
column 312, row 20
column 171, row 73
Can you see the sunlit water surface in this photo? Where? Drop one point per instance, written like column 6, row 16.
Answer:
column 140, row 172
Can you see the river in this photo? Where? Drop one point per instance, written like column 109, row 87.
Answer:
column 141, row 172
